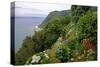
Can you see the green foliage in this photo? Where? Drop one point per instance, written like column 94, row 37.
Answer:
column 66, row 20
column 90, row 55
column 45, row 38
column 64, row 54
column 72, row 44
column 29, row 61
column 74, row 25
column 54, row 26
column 87, row 28
column 53, row 15
column 44, row 58
column 78, row 11
column 25, row 51
column 38, row 40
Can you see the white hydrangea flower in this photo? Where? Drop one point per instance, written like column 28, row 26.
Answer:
column 35, row 59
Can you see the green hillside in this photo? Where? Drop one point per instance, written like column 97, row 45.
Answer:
column 66, row 36
column 54, row 14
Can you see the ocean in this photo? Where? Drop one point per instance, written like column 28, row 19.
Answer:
column 24, row 26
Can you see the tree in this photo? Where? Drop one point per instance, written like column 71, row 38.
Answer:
column 78, row 11
column 87, row 28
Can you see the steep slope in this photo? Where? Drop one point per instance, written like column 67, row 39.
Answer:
column 54, row 14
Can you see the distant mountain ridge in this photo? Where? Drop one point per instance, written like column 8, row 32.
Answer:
column 53, row 14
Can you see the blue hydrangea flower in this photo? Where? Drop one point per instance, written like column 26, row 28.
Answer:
column 58, row 50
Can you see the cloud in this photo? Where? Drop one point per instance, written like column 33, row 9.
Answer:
column 31, row 9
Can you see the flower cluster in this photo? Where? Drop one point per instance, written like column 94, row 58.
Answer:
column 35, row 59
column 41, row 57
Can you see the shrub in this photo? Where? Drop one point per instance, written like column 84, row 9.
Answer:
column 63, row 53
column 90, row 55
column 87, row 28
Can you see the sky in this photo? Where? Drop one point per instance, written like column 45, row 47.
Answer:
column 36, row 9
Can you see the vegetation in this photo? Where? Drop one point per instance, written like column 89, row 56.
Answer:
column 87, row 28
column 25, row 51
column 53, row 15
column 63, row 53
column 66, row 36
